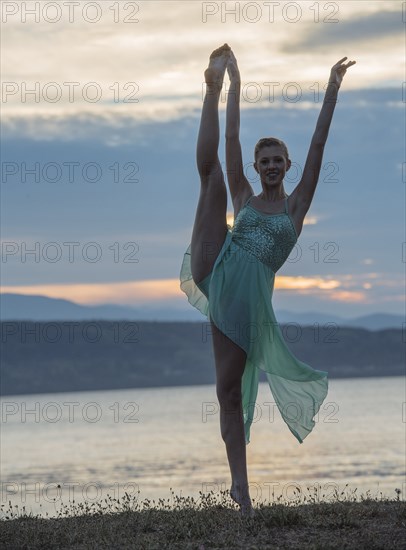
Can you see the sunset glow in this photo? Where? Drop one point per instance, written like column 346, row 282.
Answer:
column 133, row 293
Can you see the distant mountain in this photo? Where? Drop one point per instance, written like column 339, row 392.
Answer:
column 17, row 307
column 378, row 321
column 374, row 321
column 104, row 355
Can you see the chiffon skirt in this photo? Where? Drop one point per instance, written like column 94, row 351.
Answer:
column 237, row 297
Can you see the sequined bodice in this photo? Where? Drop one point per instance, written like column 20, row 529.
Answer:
column 269, row 237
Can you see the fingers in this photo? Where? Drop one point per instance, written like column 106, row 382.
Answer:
column 346, row 66
column 232, row 57
column 340, row 63
column 341, row 60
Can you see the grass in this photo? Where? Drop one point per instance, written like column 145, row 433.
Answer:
column 213, row 521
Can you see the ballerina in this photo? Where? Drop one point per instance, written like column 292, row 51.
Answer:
column 228, row 273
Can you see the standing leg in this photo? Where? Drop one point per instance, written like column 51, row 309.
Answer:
column 230, row 362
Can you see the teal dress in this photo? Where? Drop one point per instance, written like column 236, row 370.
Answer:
column 237, row 297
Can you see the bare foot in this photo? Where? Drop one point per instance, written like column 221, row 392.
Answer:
column 214, row 74
column 243, row 500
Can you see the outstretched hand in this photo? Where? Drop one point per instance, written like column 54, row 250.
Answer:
column 232, row 68
column 338, row 71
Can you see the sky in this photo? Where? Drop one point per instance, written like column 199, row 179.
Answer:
column 100, row 106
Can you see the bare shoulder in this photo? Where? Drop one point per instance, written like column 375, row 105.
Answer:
column 240, row 199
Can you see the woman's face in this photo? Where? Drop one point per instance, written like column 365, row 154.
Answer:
column 271, row 164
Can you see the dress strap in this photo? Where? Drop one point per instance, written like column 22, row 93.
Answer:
column 249, row 198
column 286, row 205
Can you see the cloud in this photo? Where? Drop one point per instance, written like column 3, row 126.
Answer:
column 348, row 296
column 306, row 283
column 123, row 293
column 118, row 125
column 374, row 26
column 344, row 288
column 166, row 53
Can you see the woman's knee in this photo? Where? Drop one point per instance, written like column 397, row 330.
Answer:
column 229, row 393
column 211, row 174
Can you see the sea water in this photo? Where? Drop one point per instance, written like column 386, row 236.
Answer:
column 154, row 443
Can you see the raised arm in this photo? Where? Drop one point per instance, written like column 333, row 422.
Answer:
column 304, row 191
column 240, row 188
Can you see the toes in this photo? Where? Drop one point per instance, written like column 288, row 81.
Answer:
column 219, row 51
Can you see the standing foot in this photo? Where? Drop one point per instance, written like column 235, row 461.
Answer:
column 243, row 499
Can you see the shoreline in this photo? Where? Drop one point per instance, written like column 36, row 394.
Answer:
column 211, row 384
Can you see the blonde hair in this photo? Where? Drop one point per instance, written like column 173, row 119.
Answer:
column 267, row 142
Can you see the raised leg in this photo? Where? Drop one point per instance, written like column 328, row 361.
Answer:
column 210, row 225
column 230, row 362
